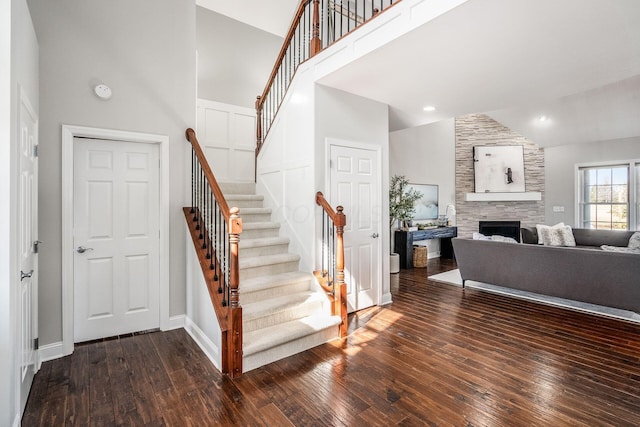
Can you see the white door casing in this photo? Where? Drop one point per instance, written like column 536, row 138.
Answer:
column 116, row 236
column 69, row 133
column 355, row 184
column 26, row 354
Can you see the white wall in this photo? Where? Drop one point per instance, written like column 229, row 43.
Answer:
column 201, row 321
column 145, row 51
column 18, row 68
column 227, row 135
column 234, row 59
column 346, row 117
column 286, row 166
column 559, row 170
column 427, row 155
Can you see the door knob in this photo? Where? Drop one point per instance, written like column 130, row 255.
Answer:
column 24, row 275
column 374, row 235
column 82, row 249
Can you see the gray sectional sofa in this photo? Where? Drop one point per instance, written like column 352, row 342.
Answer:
column 583, row 273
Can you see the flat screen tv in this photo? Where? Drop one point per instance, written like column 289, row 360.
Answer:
column 427, row 206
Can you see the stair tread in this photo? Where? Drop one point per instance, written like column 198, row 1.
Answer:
column 277, row 304
column 273, row 281
column 272, row 336
column 243, row 197
column 263, row 241
column 254, row 211
column 262, row 260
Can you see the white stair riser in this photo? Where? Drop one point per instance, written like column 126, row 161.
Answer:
column 264, row 250
column 257, row 217
column 298, row 311
column 244, row 204
column 266, row 270
column 290, row 348
column 277, row 291
column 237, row 187
column 259, row 233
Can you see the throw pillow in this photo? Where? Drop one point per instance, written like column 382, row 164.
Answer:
column 504, row 239
column 541, row 227
column 634, row 241
column 558, row 236
column 620, row 249
column 480, row 236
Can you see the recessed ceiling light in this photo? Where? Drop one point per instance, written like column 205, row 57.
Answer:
column 429, row 108
column 543, row 118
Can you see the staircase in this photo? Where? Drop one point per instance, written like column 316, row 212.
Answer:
column 284, row 310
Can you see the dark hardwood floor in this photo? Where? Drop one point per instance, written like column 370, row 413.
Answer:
column 438, row 356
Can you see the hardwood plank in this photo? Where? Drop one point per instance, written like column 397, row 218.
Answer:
column 100, row 395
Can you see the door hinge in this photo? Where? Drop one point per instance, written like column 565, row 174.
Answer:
column 35, row 246
column 36, row 344
column 35, row 150
column 330, row 163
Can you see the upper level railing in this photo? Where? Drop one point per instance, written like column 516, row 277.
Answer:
column 215, row 229
column 316, row 25
column 331, row 273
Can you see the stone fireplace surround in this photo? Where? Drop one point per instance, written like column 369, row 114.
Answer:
column 480, row 129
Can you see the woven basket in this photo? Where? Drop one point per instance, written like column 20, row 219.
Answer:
column 419, row 256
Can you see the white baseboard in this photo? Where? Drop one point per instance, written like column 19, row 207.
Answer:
column 175, row 322
column 205, row 344
column 386, row 299
column 51, row 351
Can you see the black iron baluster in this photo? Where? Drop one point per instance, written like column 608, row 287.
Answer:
column 193, row 171
column 323, row 242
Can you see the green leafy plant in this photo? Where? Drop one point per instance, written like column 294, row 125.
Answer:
column 401, row 200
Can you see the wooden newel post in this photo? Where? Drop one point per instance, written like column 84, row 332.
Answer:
column 341, row 294
column 316, row 43
column 235, row 228
column 234, row 334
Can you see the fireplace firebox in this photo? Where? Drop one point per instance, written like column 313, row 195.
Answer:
column 500, row 228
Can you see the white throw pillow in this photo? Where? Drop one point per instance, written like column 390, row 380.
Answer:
column 541, row 227
column 634, row 241
column 558, row 236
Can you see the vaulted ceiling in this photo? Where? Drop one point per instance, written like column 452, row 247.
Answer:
column 577, row 62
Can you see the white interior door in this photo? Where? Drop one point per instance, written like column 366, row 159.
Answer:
column 355, row 184
column 28, row 232
column 116, row 238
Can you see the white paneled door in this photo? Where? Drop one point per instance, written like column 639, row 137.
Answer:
column 355, row 184
column 26, row 354
column 116, row 238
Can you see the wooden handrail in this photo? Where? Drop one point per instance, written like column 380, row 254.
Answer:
column 283, row 51
column 339, row 220
column 310, row 32
column 217, row 192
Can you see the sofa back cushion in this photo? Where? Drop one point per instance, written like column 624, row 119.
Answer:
column 585, row 237
column 590, row 237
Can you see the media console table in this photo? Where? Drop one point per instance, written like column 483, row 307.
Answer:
column 404, row 242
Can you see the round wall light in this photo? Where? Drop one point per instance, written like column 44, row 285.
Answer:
column 102, row 91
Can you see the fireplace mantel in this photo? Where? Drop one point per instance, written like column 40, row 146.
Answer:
column 529, row 196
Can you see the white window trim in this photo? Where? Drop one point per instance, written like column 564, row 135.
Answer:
column 634, row 194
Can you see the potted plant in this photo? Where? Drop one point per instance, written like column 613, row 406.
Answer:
column 401, row 201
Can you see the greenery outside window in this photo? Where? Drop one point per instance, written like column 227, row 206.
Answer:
column 607, row 196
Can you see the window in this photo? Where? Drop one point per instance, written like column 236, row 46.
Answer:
column 607, row 196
